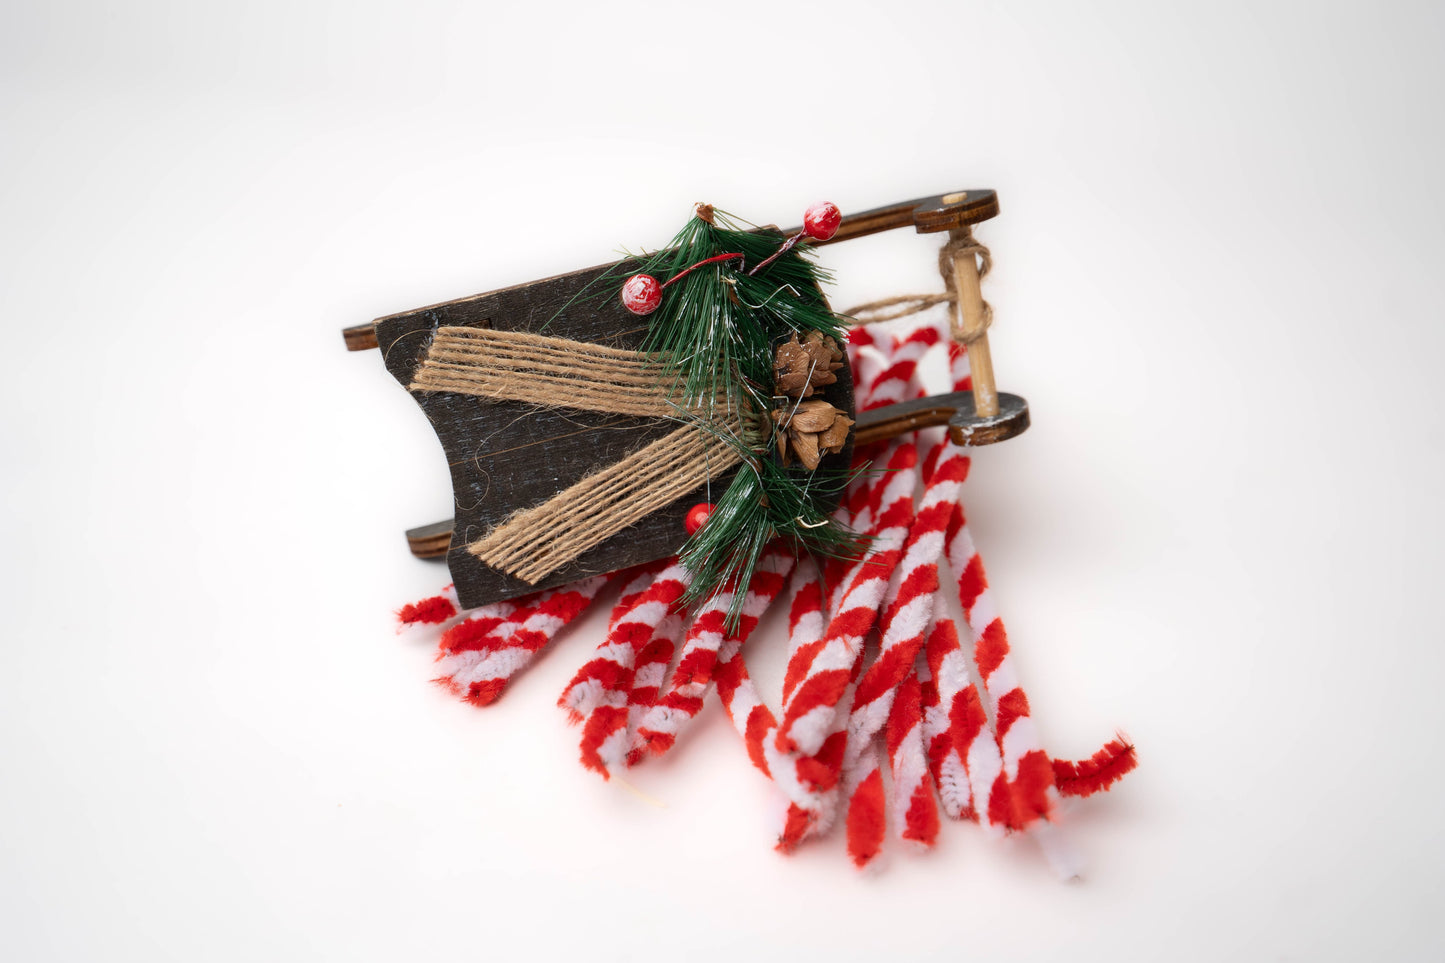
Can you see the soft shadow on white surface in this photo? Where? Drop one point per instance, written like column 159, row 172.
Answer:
column 1217, row 283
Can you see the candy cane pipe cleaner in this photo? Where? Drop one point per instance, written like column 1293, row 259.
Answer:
column 478, row 669
column 1007, row 802
column 1099, row 771
column 808, row 784
column 435, row 610
column 816, row 775
column 807, row 621
column 813, row 783
column 692, row 677
column 744, row 707
column 612, row 657
column 944, row 678
column 831, row 665
column 904, row 627
column 869, row 358
column 605, row 733
column 1027, row 769
column 809, row 809
column 472, row 633
column 950, row 776
column 896, row 381
column 962, row 750
column 901, row 631
column 651, row 671
column 943, row 669
column 1115, row 759
column 867, row 814
column 905, row 622
column 967, row 733
column 626, row 748
column 914, row 806
column 808, row 715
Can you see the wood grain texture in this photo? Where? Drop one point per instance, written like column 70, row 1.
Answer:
column 360, row 337
column 890, row 421
column 505, row 455
column 972, row 325
column 926, row 215
column 971, row 430
column 948, row 212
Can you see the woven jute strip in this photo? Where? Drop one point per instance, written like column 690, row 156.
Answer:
column 555, row 372
column 537, row 541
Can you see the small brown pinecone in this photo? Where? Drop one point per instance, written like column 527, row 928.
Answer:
column 802, row 368
column 811, row 431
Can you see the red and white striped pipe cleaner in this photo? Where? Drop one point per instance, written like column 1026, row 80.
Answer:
column 997, row 797
column 903, row 629
column 826, row 670
column 652, row 663
column 1097, row 773
column 433, row 611
column 651, row 672
column 808, row 784
column 807, row 717
column 1029, row 792
column 965, row 767
column 598, row 675
column 905, row 622
column 746, row 709
column 479, row 624
column 693, row 676
column 811, row 781
column 478, row 666
column 867, row 822
column 914, row 804
column 952, row 714
column 606, row 736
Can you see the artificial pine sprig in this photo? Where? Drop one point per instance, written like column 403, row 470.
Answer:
column 737, row 294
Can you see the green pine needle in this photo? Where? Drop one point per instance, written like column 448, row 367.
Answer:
column 719, row 328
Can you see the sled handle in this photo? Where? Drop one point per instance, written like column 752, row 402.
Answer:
column 926, row 215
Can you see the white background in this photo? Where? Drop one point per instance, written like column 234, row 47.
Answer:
column 1218, row 283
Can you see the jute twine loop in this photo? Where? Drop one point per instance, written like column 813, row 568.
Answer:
column 554, row 372
column 535, row 542
column 535, row 369
column 887, row 309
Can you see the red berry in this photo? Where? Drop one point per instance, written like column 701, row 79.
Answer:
column 641, row 294
column 821, row 221
column 697, row 517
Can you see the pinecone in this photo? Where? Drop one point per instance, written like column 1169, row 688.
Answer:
column 802, row 368
column 814, row 429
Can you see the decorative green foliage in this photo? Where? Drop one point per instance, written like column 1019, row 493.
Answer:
column 720, row 327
